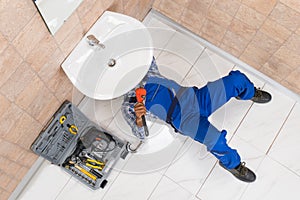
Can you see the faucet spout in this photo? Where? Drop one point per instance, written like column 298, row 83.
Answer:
column 93, row 41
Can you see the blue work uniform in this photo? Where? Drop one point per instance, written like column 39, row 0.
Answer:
column 195, row 105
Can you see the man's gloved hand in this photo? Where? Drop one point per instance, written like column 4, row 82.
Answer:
column 139, row 110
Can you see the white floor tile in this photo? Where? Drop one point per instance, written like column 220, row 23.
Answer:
column 157, row 160
column 211, row 67
column 230, row 116
column 184, row 47
column 167, row 189
column 286, row 147
column 173, row 66
column 192, row 168
column 160, row 33
column 47, row 183
column 76, row 190
column 133, row 186
column 264, row 121
column 274, row 182
column 223, row 185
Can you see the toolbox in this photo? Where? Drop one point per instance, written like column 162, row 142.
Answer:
column 78, row 145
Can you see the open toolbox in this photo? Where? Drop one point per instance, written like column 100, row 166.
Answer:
column 83, row 149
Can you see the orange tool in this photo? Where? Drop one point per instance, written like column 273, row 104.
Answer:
column 140, row 94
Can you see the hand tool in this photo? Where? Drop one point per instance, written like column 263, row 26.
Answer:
column 62, row 119
column 95, row 164
column 140, row 94
column 72, row 129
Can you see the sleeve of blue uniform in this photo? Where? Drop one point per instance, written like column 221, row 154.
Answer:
column 129, row 115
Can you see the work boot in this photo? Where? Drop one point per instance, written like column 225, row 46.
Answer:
column 241, row 172
column 261, row 96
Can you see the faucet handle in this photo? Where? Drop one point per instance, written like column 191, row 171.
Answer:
column 93, row 41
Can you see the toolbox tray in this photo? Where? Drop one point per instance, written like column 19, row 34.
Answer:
column 78, row 145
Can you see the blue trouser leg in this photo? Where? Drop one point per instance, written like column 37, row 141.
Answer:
column 210, row 98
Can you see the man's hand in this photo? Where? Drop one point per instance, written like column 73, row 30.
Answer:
column 139, row 110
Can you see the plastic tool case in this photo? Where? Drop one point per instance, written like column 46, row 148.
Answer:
column 79, row 146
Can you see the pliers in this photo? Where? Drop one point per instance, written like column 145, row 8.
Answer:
column 95, row 164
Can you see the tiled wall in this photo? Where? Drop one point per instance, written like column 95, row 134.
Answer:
column 32, row 83
column 263, row 33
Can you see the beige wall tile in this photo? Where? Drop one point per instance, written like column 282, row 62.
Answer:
column 47, row 110
column 52, row 66
column 286, row 16
column 213, row 32
column 156, row 4
column 265, row 42
column 33, row 88
column 10, row 150
column 71, row 41
column 5, row 180
column 276, row 68
column 10, row 167
column 234, row 43
column 171, row 9
column 228, row 6
column 9, row 62
column 293, row 79
column 219, row 17
column 41, row 53
column 27, row 158
column 3, row 43
column 93, row 14
column 275, row 30
column 24, row 133
column 193, row 21
column 5, row 103
column 30, row 36
column 262, row 6
column 250, row 16
column 37, row 109
column 18, row 81
column 3, row 194
column 199, row 6
column 255, row 55
column 8, row 119
column 240, row 28
column 290, row 57
column 67, row 28
column 14, row 16
column 298, row 31
column 289, row 86
column 85, row 7
column 294, row 4
column 293, row 43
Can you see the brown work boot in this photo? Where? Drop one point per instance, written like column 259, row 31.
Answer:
column 241, row 172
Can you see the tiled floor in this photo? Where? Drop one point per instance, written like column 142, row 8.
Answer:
column 171, row 166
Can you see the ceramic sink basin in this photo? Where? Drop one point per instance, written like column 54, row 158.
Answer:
column 107, row 73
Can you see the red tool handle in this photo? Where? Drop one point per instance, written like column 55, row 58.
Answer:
column 140, row 94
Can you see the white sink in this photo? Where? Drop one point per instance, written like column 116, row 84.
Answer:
column 127, row 41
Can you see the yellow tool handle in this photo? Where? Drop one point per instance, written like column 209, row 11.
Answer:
column 73, row 129
column 62, row 119
column 95, row 161
column 94, row 166
column 86, row 172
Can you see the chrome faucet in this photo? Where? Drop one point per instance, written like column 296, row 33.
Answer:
column 93, row 41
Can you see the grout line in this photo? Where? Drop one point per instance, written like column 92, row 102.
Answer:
column 280, row 129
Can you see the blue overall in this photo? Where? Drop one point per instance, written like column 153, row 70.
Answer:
column 195, row 105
